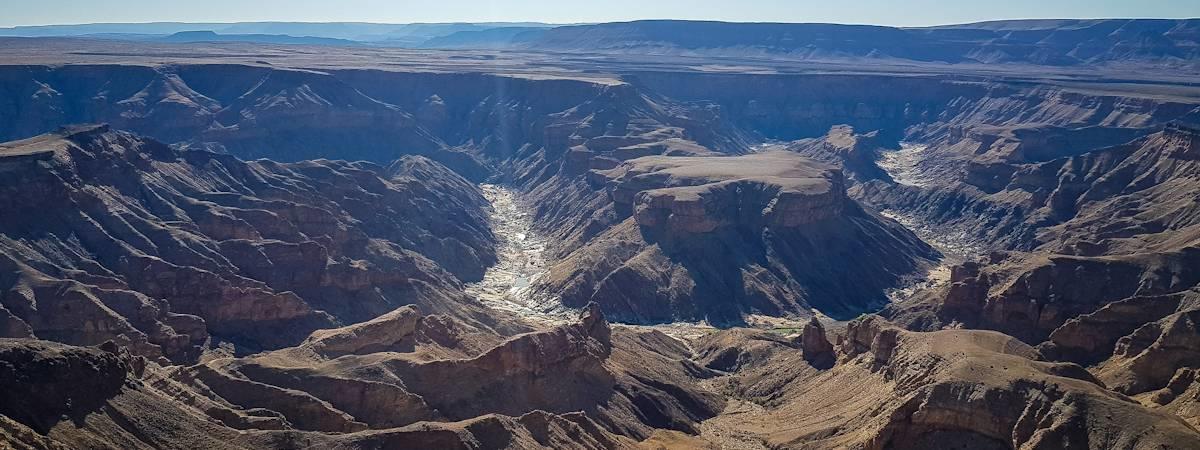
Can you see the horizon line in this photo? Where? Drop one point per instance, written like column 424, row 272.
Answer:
column 155, row 22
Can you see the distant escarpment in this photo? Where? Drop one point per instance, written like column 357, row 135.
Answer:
column 108, row 235
column 251, row 112
column 483, row 125
column 469, row 122
column 920, row 108
column 718, row 237
column 1045, row 42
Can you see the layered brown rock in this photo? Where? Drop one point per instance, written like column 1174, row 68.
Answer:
column 687, row 195
column 897, row 389
column 375, row 375
column 723, row 236
column 1112, row 225
column 818, row 351
column 96, row 394
column 1151, row 356
column 136, row 242
column 117, row 237
column 855, row 151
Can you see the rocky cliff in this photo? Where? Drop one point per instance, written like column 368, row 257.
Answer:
column 1084, row 258
column 104, row 398
column 580, row 385
column 892, row 388
column 1107, row 282
column 724, row 236
column 114, row 236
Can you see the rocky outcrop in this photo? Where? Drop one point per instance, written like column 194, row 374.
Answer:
column 756, row 229
column 94, row 394
column 120, row 237
column 378, row 334
column 44, row 382
column 59, row 396
column 394, row 372
column 1031, row 296
column 1151, row 356
column 691, row 195
column 871, row 335
column 1092, row 337
column 856, row 152
column 818, row 351
column 898, row 389
column 1002, row 151
column 537, row 429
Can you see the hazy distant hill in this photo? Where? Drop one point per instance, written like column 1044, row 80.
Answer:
column 1060, row 42
column 489, row 38
column 376, row 33
column 1054, row 42
column 208, row 36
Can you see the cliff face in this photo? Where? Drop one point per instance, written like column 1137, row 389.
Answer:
column 1108, row 281
column 723, row 236
column 469, row 122
column 287, row 115
column 683, row 195
column 395, row 374
column 595, row 236
column 1084, row 257
column 113, row 236
column 59, row 396
column 918, row 108
column 891, row 388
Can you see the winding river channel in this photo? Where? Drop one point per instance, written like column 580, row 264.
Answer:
column 508, row 285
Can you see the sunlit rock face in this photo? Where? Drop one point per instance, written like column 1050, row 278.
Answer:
column 683, row 195
column 723, row 236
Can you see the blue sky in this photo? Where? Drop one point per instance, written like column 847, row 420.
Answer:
column 881, row 12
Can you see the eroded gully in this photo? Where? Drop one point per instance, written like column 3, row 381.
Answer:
column 520, row 251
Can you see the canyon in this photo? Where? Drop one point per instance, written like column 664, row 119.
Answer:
column 263, row 245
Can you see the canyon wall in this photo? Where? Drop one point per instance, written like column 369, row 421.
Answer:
column 114, row 236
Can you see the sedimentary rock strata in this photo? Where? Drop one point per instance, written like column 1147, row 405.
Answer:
column 722, row 236
column 1029, row 239
column 954, row 387
column 688, row 195
column 114, row 236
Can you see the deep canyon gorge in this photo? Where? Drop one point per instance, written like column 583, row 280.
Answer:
column 247, row 245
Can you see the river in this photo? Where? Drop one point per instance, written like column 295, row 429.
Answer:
column 508, row 285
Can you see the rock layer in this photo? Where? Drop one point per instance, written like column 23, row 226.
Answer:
column 723, row 236
column 114, row 236
column 897, row 389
